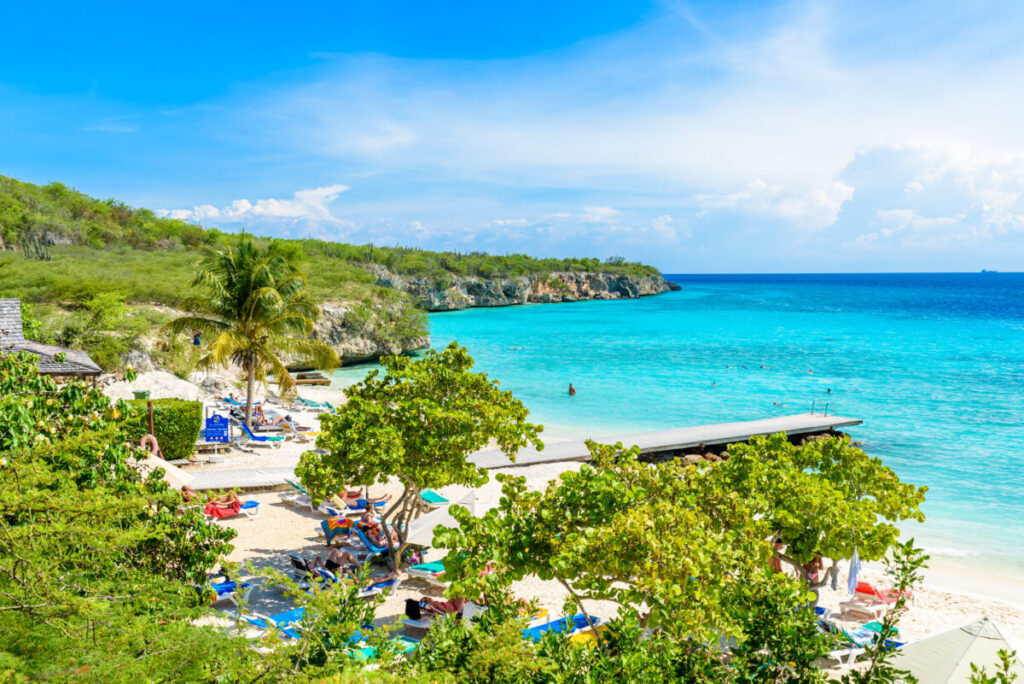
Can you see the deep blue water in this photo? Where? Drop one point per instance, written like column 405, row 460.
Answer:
column 933, row 364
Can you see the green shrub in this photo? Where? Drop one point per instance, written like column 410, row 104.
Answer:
column 175, row 421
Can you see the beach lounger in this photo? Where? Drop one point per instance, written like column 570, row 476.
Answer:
column 299, row 496
column 846, row 656
column 266, row 623
column 382, row 587
column 428, row 572
column 870, row 593
column 860, row 605
column 301, row 571
column 250, row 509
column 300, row 437
column 427, row 619
column 312, row 405
column 567, row 625
column 370, row 546
column 261, row 440
column 587, row 636
column 227, row 591
column 360, row 508
column 238, row 404
column 404, row 645
column 433, row 499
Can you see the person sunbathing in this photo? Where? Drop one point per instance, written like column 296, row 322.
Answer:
column 260, row 417
column 223, row 506
column 188, row 493
column 336, row 559
column 353, row 498
column 442, row 606
column 229, row 500
column 373, row 528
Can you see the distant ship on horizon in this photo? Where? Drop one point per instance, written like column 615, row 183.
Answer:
column 985, row 270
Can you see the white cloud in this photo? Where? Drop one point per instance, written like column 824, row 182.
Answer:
column 934, row 198
column 599, row 214
column 306, row 206
column 869, row 126
column 815, row 208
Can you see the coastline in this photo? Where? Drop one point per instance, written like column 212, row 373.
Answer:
column 953, row 592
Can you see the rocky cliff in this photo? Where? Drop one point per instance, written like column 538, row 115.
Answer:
column 449, row 293
column 359, row 332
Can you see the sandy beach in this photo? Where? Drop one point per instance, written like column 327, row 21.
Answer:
column 951, row 595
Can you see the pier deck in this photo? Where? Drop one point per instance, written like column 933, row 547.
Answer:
column 669, row 440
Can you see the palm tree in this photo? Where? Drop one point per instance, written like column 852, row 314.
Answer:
column 254, row 305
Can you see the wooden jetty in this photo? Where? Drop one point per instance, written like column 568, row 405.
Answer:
column 670, row 440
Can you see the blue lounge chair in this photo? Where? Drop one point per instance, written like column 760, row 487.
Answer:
column 384, row 587
column 266, row 440
column 250, row 509
column 227, row 591
column 566, row 625
column 360, row 507
column 288, row 622
column 241, row 404
column 374, row 549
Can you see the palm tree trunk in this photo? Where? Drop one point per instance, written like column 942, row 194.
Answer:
column 250, row 387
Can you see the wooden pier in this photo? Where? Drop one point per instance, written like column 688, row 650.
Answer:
column 669, row 440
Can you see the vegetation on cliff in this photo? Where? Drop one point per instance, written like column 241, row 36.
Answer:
column 64, row 250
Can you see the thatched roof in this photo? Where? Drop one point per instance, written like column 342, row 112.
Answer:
column 12, row 339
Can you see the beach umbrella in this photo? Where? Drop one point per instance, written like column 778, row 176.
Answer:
column 947, row 657
column 421, row 530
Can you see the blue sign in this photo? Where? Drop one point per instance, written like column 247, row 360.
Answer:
column 217, row 429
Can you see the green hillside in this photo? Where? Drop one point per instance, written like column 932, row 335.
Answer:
column 72, row 247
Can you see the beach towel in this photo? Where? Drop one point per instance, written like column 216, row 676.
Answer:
column 338, row 523
column 215, row 511
column 851, row 581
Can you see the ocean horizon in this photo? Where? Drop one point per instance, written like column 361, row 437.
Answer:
column 933, row 363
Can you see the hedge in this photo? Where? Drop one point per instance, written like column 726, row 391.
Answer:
column 175, row 421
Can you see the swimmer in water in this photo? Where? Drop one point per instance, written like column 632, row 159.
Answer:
column 572, row 390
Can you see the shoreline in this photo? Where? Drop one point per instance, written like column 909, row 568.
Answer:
column 954, row 590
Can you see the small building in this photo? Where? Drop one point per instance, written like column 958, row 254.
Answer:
column 12, row 339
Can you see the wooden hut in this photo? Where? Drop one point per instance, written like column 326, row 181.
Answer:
column 12, row 339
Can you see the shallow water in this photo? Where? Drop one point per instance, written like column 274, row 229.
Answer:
column 933, row 365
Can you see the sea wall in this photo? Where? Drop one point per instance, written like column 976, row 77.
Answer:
column 450, row 293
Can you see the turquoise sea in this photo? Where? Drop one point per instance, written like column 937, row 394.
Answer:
column 932, row 363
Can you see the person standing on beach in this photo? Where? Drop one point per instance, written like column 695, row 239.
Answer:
column 572, row 390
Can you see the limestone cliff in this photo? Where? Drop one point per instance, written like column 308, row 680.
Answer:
column 360, row 332
column 452, row 292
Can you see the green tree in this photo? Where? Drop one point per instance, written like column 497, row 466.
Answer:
column 675, row 554
column 417, row 423
column 823, row 499
column 903, row 566
column 254, row 306
column 97, row 562
column 680, row 550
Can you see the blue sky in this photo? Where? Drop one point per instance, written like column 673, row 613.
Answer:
column 700, row 136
